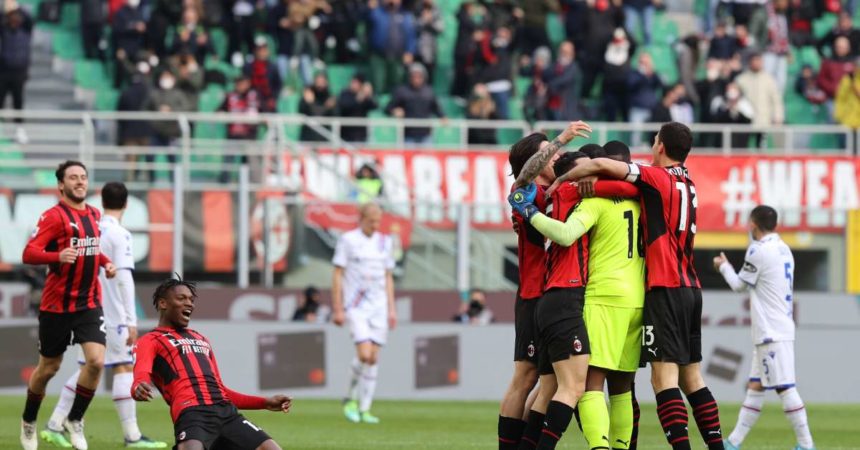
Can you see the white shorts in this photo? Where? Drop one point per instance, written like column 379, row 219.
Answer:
column 117, row 352
column 773, row 365
column 364, row 327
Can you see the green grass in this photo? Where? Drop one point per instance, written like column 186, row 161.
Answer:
column 318, row 424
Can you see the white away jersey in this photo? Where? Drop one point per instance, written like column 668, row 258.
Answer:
column 365, row 261
column 769, row 270
column 116, row 243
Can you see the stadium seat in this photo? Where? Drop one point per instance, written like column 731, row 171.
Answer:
column 555, row 29
column 809, row 55
column 91, row 74
column 339, row 76
column 664, row 62
column 508, row 136
column 665, row 31
column 447, row 136
column 451, row 107
column 67, row 44
column 824, row 24
column 219, row 42
column 106, row 99
column 382, row 134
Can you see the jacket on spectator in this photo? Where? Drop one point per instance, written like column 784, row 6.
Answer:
column 831, row 73
column 235, row 102
column 124, row 30
column 283, row 36
column 563, row 89
column 134, row 98
column 643, row 91
column 349, row 105
column 94, row 12
column 428, row 36
column 15, row 45
column 723, row 47
column 535, row 11
column 853, row 36
column 323, row 105
column 847, row 105
column 389, row 29
column 266, row 80
column 762, row 92
column 177, row 100
column 195, row 45
column 417, row 103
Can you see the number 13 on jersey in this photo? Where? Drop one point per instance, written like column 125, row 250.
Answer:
column 689, row 201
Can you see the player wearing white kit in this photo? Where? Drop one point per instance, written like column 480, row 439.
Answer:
column 120, row 321
column 768, row 274
column 363, row 296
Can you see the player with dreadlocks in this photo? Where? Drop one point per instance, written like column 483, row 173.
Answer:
column 180, row 363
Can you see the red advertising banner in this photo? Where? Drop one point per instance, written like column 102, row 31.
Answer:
column 812, row 193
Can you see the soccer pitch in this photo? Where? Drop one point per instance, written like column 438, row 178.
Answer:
column 318, row 424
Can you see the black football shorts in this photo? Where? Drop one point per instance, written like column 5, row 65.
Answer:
column 561, row 327
column 60, row 330
column 672, row 325
column 525, row 343
column 218, row 427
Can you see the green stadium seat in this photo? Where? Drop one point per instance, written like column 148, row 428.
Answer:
column 10, row 152
column 665, row 30
column 508, row 136
column 447, row 136
column 451, row 108
column 382, row 134
column 92, row 74
column 339, row 76
column 67, row 44
column 555, row 29
column 824, row 24
column 219, row 42
column 664, row 62
column 106, row 99
column 809, row 55
column 70, row 15
column 288, row 104
column 521, row 85
column 515, row 109
column 210, row 99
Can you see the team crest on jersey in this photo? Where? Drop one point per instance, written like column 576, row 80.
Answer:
column 181, row 436
column 531, row 350
column 749, row 267
column 577, row 344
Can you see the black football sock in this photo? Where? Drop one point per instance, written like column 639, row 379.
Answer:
column 576, row 416
column 672, row 413
column 707, row 416
column 83, row 397
column 531, row 434
column 510, row 432
column 31, row 407
column 635, row 435
column 557, row 419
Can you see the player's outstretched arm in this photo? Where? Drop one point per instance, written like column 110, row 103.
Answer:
column 47, row 230
column 598, row 166
column 562, row 233
column 539, row 160
column 142, row 389
column 722, row 264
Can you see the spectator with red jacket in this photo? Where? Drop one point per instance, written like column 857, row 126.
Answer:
column 243, row 100
column 264, row 76
column 833, row 69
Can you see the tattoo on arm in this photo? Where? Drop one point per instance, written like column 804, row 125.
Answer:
column 537, row 162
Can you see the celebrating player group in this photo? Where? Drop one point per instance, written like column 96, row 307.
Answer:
column 607, row 284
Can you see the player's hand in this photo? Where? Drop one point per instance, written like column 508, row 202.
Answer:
column 522, row 200
column 110, row 270
column 574, row 130
column 719, row 260
column 68, row 255
column 555, row 184
column 279, row 403
column 143, row 392
column 515, row 224
column 392, row 320
column 585, row 187
column 338, row 317
column 132, row 336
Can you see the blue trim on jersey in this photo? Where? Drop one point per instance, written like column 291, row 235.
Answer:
column 783, row 386
column 756, row 379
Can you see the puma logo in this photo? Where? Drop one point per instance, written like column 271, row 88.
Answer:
column 718, row 433
column 73, row 225
column 653, row 351
column 624, row 443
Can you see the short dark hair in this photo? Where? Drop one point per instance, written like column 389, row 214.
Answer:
column 566, row 161
column 114, row 195
column 677, row 139
column 61, row 169
column 524, row 149
column 617, row 150
column 593, row 150
column 764, row 217
column 168, row 285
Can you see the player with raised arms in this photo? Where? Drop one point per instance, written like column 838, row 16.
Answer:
column 672, row 313
column 768, row 275
column 363, row 295
column 180, row 363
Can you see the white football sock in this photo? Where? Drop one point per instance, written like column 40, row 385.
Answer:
column 793, row 407
column 354, row 377
column 64, row 404
column 750, row 411
column 125, row 406
column 367, row 386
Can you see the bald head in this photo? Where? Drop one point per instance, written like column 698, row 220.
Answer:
column 370, row 218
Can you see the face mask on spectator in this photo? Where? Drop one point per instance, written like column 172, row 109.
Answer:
column 733, row 94
column 143, row 67
column 713, row 74
column 133, row 3
column 167, row 83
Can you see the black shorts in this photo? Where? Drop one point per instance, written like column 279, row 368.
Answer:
column 672, row 325
column 218, row 427
column 525, row 343
column 561, row 327
column 60, row 330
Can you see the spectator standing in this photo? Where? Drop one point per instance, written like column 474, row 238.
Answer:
column 392, row 38
column 345, row 14
column 776, row 52
column 264, row 76
column 471, row 18
column 535, row 102
column 533, row 33
column 800, row 16
column 93, row 20
column 240, row 24
column 368, row 184
column 430, row 25
column 280, row 29
column 166, row 98
column 16, row 34
column 243, row 100
column 687, row 52
column 481, row 107
column 165, row 14
column 733, row 108
column 415, row 100
column 317, row 101
column 847, row 108
column 134, row 133
column 564, row 84
column 189, row 77
column 475, row 311
column 503, row 13
column 305, row 44
column 718, row 75
column 844, row 28
column 496, row 69
column 356, row 101
column 644, row 88
column 602, row 18
column 128, row 33
column 675, row 107
column 807, row 87
column 640, row 13
column 615, row 73
column 834, row 68
column 191, row 37
column 763, row 93
column 723, row 47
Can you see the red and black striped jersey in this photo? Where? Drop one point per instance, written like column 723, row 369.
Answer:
column 69, row 287
column 566, row 267
column 668, row 198
column 531, row 252
column 181, row 364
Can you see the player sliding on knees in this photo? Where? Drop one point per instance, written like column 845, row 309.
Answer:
column 180, row 363
column 672, row 315
column 613, row 306
column 532, row 271
column 768, row 273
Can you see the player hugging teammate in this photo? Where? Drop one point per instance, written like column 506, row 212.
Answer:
column 607, row 299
